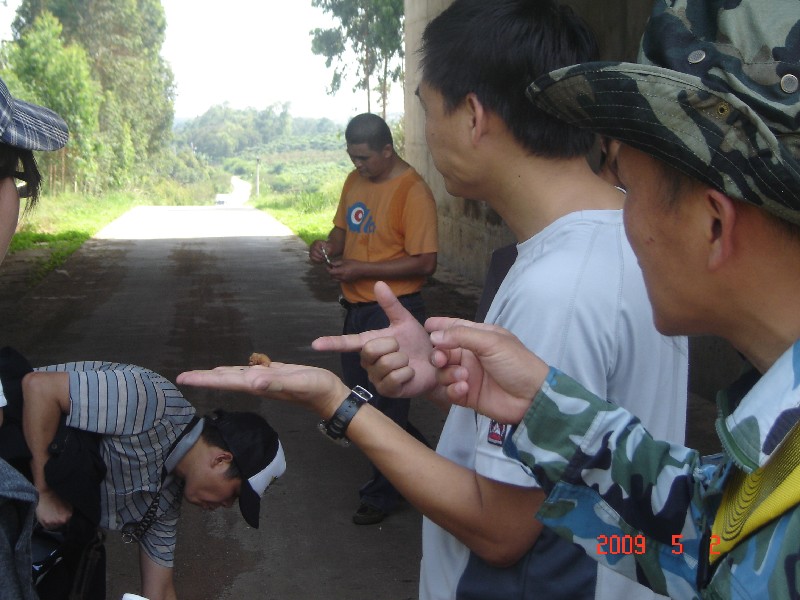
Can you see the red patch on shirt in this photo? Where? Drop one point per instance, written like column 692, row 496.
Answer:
column 497, row 433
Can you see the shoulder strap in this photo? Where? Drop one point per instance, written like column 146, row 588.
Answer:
column 133, row 532
column 751, row 500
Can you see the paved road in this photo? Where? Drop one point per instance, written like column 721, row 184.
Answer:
column 239, row 194
column 177, row 288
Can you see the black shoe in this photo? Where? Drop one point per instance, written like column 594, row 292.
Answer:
column 368, row 515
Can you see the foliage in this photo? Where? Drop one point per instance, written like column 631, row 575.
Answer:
column 224, row 132
column 314, row 127
column 127, row 89
column 238, row 139
column 56, row 248
column 308, row 226
column 373, row 29
column 399, row 136
column 41, row 69
column 301, row 189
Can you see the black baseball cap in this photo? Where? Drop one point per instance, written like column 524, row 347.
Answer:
column 258, row 454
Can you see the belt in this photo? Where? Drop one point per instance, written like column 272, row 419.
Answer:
column 348, row 305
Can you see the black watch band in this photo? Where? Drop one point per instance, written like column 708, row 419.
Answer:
column 337, row 426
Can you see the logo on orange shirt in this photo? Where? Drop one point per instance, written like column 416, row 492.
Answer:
column 359, row 219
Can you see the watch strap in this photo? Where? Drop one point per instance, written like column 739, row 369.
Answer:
column 336, row 426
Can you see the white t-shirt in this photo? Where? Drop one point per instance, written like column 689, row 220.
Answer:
column 575, row 296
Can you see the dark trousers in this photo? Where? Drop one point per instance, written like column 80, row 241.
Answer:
column 378, row 491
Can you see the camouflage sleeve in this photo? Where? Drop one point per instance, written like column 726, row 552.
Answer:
column 632, row 502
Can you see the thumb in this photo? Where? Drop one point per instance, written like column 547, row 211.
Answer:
column 395, row 312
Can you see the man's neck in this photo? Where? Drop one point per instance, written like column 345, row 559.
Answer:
column 182, row 453
column 396, row 168
column 530, row 193
column 764, row 325
column 756, row 277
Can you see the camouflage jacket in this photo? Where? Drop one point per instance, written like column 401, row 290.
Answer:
column 645, row 507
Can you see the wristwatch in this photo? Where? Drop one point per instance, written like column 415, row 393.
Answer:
column 336, row 427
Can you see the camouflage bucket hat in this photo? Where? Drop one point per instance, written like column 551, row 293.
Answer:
column 715, row 96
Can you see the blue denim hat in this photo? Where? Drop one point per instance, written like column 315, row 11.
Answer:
column 29, row 126
column 715, row 95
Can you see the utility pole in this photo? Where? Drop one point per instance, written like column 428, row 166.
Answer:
column 258, row 173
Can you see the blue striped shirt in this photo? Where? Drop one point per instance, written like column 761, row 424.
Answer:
column 139, row 414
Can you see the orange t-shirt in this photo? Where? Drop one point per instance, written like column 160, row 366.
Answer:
column 384, row 221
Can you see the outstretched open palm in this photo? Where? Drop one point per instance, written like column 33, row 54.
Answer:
column 316, row 389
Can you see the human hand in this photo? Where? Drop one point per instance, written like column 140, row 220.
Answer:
column 313, row 388
column 318, row 251
column 397, row 358
column 51, row 511
column 345, row 270
column 485, row 368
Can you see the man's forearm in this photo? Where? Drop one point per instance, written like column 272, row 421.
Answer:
column 420, row 265
column 493, row 519
column 44, row 404
column 157, row 581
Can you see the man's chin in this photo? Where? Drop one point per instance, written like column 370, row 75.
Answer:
column 668, row 328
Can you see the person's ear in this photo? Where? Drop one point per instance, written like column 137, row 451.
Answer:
column 479, row 117
column 720, row 227
column 221, row 458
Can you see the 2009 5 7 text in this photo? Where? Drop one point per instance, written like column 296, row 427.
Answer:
column 637, row 544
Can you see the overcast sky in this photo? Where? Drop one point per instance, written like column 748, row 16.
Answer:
column 249, row 53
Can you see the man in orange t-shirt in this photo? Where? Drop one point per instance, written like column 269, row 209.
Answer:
column 384, row 229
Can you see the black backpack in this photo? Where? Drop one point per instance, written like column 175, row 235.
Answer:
column 69, row 564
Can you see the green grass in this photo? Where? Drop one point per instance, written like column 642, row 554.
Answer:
column 58, row 246
column 309, row 216
column 303, row 192
column 307, row 227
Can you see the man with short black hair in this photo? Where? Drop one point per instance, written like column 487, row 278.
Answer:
column 145, row 450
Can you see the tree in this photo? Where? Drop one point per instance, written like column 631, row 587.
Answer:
column 123, row 40
column 223, row 132
column 43, row 70
column 374, row 31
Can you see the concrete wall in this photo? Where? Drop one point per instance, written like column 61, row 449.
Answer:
column 469, row 231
